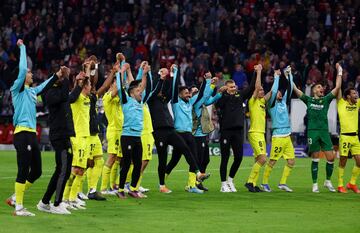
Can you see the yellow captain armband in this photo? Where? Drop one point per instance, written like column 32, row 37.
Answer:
column 212, row 86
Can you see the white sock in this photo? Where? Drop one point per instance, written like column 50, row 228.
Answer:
column 18, row 207
column 223, row 183
column 230, row 180
column 162, row 186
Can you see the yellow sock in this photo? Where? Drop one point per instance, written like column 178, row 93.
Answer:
column 28, row 185
column 192, row 179
column 68, row 186
column 96, row 173
column 81, row 184
column 117, row 180
column 254, row 172
column 75, row 187
column 139, row 182
column 114, row 173
column 286, row 173
column 355, row 173
column 105, row 178
column 89, row 174
column 129, row 174
column 19, row 193
column 267, row 173
column 341, row 177
column 256, row 179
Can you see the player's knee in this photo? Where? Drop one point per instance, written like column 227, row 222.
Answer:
column 330, row 160
column 342, row 161
column 145, row 162
column 78, row 171
column 110, row 160
column 261, row 160
column 35, row 174
column 272, row 163
column 291, row 162
column 357, row 160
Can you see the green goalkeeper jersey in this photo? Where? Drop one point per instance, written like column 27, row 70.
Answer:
column 317, row 110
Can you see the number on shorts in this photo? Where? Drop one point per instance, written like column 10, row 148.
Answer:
column 81, row 153
column 92, row 147
column 117, row 142
column 260, row 144
column 346, row 145
column 278, row 149
column 310, row 141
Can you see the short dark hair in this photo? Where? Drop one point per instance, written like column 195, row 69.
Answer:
column 134, row 84
column 181, row 88
column 314, row 85
column 348, row 90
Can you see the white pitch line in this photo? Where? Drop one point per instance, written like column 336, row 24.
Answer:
column 153, row 172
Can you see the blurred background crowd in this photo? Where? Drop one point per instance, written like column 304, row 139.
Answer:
column 226, row 37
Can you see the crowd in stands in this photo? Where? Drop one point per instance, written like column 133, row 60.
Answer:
column 226, row 37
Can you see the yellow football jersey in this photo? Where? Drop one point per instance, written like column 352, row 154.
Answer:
column 113, row 112
column 257, row 114
column 348, row 115
column 148, row 128
column 81, row 116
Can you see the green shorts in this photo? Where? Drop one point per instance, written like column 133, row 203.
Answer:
column 319, row 140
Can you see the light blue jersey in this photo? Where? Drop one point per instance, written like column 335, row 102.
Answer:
column 279, row 111
column 132, row 110
column 183, row 110
column 23, row 97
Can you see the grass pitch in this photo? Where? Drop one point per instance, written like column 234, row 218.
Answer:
column 301, row 211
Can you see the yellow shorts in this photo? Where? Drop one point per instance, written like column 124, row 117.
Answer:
column 282, row 147
column 349, row 143
column 113, row 140
column 147, row 142
column 80, row 152
column 94, row 145
column 257, row 142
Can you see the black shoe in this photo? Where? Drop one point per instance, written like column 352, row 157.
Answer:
column 250, row 187
column 96, row 196
column 202, row 187
column 257, row 189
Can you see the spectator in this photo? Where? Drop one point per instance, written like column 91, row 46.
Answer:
column 239, row 76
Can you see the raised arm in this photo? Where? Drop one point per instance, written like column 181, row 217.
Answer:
column 258, row 86
column 175, row 85
column 216, row 95
column 275, row 87
column 337, row 90
column 144, row 78
column 19, row 82
column 120, row 89
column 108, row 81
column 204, row 92
column 129, row 75
column 44, row 86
